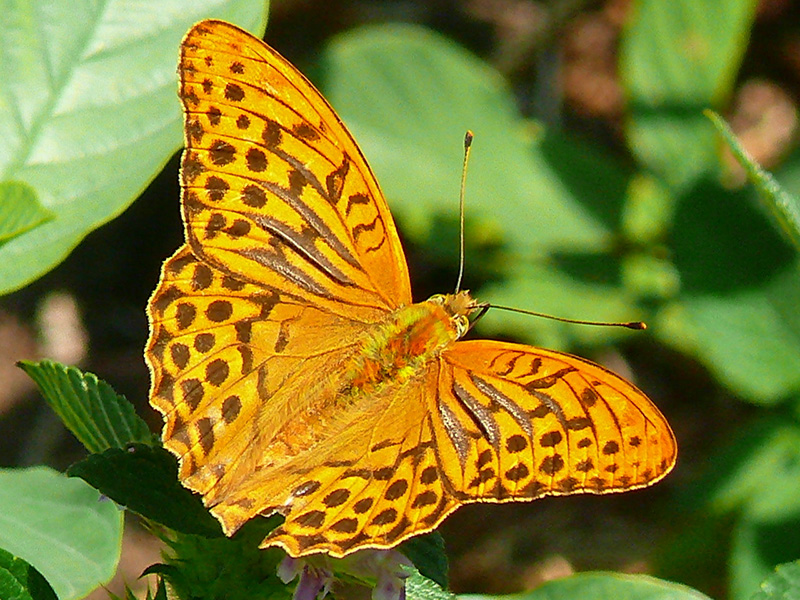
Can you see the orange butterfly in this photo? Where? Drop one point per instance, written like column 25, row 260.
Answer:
column 295, row 374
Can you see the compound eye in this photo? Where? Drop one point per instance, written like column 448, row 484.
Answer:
column 462, row 325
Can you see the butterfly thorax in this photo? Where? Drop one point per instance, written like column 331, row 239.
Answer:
column 397, row 349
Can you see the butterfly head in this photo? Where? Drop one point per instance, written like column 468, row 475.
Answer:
column 459, row 306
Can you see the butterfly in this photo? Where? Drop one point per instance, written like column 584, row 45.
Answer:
column 294, row 372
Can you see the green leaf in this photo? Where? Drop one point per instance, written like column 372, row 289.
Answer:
column 750, row 340
column 88, row 406
column 231, row 568
column 677, row 59
column 756, row 548
column 767, row 449
column 783, row 584
column 788, row 174
column 409, row 95
column 20, row 210
column 766, row 528
column 648, row 210
column 144, row 479
column 62, row 527
column 89, row 112
column 428, row 555
column 419, row 587
column 604, row 586
column 740, row 288
column 722, row 243
column 768, row 532
column 783, row 208
column 161, row 591
column 21, row 581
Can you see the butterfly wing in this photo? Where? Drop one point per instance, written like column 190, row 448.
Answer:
column 517, row 422
column 274, row 186
column 291, row 252
column 218, row 354
column 291, row 255
column 377, row 483
column 486, row 422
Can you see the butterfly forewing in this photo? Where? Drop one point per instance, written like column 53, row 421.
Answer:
column 273, row 184
column 291, row 250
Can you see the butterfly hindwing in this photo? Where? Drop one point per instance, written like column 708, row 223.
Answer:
column 489, row 422
column 377, row 483
column 517, row 422
column 220, row 349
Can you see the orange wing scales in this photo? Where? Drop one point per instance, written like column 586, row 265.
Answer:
column 218, row 349
column 273, row 182
column 567, row 425
column 292, row 371
column 394, row 489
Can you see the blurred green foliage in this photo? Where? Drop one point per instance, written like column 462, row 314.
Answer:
column 555, row 223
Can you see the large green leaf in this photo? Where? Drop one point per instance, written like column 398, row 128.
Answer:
column 604, row 586
column 62, row 527
column 89, row 112
column 679, row 58
column 748, row 339
column 740, row 288
column 409, row 95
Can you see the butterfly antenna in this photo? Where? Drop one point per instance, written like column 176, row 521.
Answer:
column 628, row 325
column 467, row 146
column 482, row 307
